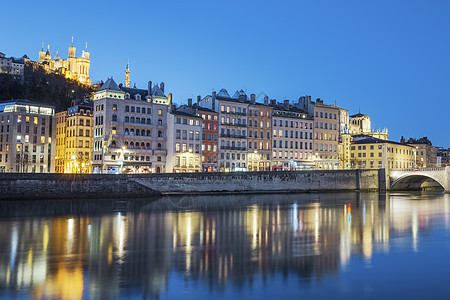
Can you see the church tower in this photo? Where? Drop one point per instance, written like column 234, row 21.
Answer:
column 42, row 54
column 127, row 75
column 72, row 50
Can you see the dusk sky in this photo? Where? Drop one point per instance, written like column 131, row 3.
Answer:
column 388, row 58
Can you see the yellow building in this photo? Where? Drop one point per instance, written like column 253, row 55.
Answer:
column 74, row 139
column 75, row 68
column 369, row 152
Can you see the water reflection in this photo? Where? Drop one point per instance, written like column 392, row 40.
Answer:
column 217, row 241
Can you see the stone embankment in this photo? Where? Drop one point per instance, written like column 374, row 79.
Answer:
column 64, row 186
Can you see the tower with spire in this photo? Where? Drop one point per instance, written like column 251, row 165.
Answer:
column 75, row 68
column 127, row 75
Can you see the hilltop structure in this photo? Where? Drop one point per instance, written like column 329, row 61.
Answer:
column 75, row 68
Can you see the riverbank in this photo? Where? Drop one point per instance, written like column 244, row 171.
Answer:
column 65, row 186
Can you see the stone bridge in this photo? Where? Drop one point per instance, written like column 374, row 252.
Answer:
column 416, row 179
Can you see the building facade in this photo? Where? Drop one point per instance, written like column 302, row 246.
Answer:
column 326, row 135
column 426, row 153
column 292, row 138
column 130, row 129
column 232, row 115
column 12, row 66
column 27, row 137
column 259, row 137
column 184, row 141
column 370, row 152
column 210, row 138
column 75, row 68
column 74, row 129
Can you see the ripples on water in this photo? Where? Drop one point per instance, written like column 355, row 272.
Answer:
column 340, row 246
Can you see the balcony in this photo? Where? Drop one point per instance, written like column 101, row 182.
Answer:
column 234, row 113
column 234, row 125
column 160, row 152
column 234, row 136
column 232, row 148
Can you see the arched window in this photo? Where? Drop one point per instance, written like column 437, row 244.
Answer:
column 148, row 146
column 131, row 145
column 132, row 131
column 127, row 132
column 138, row 120
column 159, row 122
column 159, row 146
column 114, row 107
column 114, row 118
column 132, row 119
column 126, row 145
column 138, row 132
column 149, row 121
column 149, row 133
column 142, row 146
column 113, row 144
column 160, row 134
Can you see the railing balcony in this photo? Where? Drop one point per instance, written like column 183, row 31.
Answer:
column 236, row 136
column 232, row 148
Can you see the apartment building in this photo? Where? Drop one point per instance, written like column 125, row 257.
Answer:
column 292, row 138
column 27, row 137
column 130, row 129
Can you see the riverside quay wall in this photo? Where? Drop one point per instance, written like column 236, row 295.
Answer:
column 48, row 186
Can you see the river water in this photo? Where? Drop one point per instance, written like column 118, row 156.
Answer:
column 309, row 246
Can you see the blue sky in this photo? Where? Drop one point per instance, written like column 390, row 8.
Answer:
column 388, row 58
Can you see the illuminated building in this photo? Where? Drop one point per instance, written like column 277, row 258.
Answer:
column 210, row 140
column 184, row 140
column 130, row 129
column 75, row 68
column 326, row 134
column 259, row 135
column 27, row 137
column 232, row 128
column 370, row 152
column 360, row 124
column 426, row 153
column 74, row 139
column 12, row 66
column 292, row 138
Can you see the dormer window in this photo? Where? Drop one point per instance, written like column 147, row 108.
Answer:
column 137, row 97
column 127, row 95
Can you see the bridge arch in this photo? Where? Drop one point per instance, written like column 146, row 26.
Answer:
column 416, row 182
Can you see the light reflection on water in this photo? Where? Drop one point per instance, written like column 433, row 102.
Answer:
column 253, row 246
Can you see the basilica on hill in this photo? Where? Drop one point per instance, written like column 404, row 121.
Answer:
column 75, row 68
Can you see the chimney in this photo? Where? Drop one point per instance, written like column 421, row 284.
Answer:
column 161, row 86
column 253, row 98
column 170, row 98
column 190, row 102
column 198, row 100
column 213, row 102
column 266, row 100
column 286, row 104
column 150, row 88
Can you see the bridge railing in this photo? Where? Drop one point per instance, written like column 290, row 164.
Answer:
column 419, row 169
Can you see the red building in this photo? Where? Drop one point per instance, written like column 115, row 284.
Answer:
column 209, row 139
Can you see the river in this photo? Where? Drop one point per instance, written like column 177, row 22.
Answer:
column 309, row 246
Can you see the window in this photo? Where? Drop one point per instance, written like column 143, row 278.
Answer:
column 159, row 112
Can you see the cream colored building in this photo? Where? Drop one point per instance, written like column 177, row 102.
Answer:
column 27, row 137
column 74, row 139
column 370, row 152
column 184, row 142
column 426, row 153
column 130, row 129
column 360, row 124
column 75, row 68
column 292, row 138
column 326, row 135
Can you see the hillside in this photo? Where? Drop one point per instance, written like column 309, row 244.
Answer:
column 42, row 87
